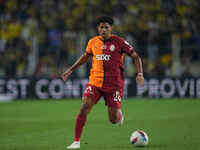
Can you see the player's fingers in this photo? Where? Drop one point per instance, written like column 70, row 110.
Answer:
column 63, row 77
column 66, row 75
column 140, row 80
column 140, row 83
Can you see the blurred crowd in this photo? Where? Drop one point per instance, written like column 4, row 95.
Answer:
column 41, row 37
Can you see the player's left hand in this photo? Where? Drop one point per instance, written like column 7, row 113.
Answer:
column 140, row 79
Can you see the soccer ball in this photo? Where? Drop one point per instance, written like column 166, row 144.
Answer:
column 139, row 138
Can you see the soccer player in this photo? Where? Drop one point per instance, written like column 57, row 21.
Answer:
column 106, row 75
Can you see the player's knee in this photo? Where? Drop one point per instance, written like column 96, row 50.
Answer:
column 113, row 120
column 84, row 109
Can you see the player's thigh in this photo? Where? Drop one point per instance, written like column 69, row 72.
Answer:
column 90, row 97
column 113, row 101
column 92, row 92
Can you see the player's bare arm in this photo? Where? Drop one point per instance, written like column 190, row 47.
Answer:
column 82, row 59
column 138, row 63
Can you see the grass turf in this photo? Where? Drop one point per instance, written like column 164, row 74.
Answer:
column 49, row 125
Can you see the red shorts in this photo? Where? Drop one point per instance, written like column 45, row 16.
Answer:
column 112, row 98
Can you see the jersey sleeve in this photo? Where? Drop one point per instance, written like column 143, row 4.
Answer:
column 89, row 48
column 127, row 48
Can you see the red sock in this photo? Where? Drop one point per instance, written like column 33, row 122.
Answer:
column 80, row 122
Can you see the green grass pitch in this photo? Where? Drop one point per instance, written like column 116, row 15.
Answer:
column 49, row 125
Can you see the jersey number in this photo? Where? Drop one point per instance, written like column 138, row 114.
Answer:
column 117, row 96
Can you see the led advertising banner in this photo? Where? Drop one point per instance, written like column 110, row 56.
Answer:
column 44, row 88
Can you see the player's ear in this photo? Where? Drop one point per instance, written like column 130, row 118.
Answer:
column 97, row 27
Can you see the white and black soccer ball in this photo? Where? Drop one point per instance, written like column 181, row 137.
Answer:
column 139, row 138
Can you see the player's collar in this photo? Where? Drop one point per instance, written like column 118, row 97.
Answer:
column 107, row 39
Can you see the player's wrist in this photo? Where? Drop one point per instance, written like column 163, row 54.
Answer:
column 71, row 69
column 140, row 73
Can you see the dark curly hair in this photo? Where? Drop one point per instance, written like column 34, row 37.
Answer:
column 104, row 19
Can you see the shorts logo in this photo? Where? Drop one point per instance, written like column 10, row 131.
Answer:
column 103, row 57
column 112, row 48
column 117, row 96
column 89, row 90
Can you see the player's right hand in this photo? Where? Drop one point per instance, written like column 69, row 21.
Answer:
column 66, row 74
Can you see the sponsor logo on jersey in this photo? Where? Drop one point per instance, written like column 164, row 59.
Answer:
column 103, row 57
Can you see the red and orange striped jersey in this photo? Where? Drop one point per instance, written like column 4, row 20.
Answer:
column 107, row 61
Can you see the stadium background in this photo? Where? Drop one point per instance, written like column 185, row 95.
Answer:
column 39, row 38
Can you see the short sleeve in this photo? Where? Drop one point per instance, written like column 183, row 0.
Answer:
column 127, row 48
column 89, row 48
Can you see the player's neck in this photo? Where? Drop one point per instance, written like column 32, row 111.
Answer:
column 106, row 38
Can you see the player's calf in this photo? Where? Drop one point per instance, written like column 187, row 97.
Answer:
column 116, row 118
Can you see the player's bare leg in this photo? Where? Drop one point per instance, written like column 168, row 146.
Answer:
column 86, row 106
column 115, row 115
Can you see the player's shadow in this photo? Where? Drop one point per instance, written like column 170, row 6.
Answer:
column 128, row 147
column 156, row 146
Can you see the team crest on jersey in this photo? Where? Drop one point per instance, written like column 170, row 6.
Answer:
column 112, row 48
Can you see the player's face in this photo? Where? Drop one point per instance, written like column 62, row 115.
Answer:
column 104, row 30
